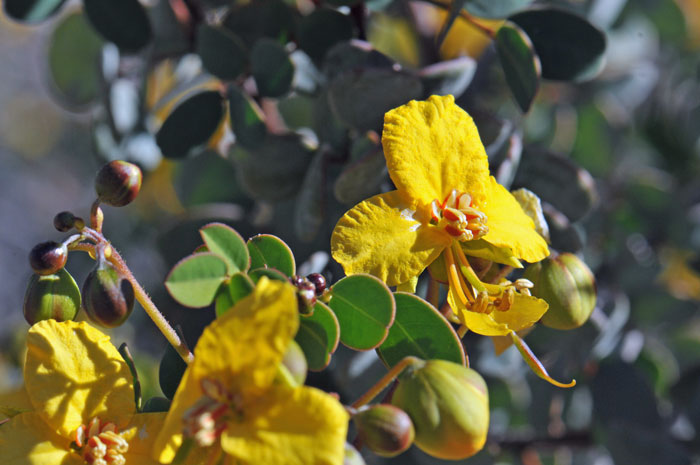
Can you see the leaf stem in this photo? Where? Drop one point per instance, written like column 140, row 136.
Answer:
column 385, row 381
column 487, row 31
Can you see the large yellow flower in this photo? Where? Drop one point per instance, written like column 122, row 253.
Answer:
column 446, row 205
column 228, row 399
column 82, row 403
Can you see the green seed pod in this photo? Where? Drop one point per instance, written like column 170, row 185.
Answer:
column 118, row 183
column 385, row 429
column 108, row 298
column 568, row 286
column 449, row 406
column 48, row 257
column 55, row 296
column 352, row 457
column 295, row 362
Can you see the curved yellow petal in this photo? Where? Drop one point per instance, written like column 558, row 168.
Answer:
column 73, row 373
column 142, row 432
column 243, row 347
column 27, row 440
column 510, row 227
column 169, row 438
column 379, row 236
column 432, row 147
column 481, row 249
column 14, row 402
column 302, row 427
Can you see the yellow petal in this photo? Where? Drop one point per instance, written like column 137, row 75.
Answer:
column 142, row 432
column 525, row 312
column 432, row 147
column 304, row 427
column 510, row 227
column 14, row 402
column 242, row 348
column 482, row 249
column 73, row 374
column 27, row 440
column 169, row 438
column 380, row 236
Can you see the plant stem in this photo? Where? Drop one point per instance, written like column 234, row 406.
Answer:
column 487, row 31
column 385, row 381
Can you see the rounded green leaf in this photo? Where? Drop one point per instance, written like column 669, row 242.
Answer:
column 191, row 124
column 31, row 11
column 495, row 9
column 318, row 336
column 195, row 280
column 74, row 50
column 365, row 309
column 420, row 330
column 567, row 44
column 238, row 287
column 224, row 241
column 361, row 179
column 262, row 18
column 170, row 371
column 270, row 251
column 270, row 273
column 223, row 54
column 271, row 67
column 520, row 64
column 123, row 22
column 309, row 207
column 247, row 119
column 322, row 29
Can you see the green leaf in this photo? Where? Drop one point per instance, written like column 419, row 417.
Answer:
column 224, row 241
column 567, row 44
column 270, row 251
column 520, row 64
column 420, row 330
column 275, row 170
column 360, row 98
column 365, row 309
column 74, row 50
column 271, row 67
column 223, row 54
column 559, row 181
column 170, row 371
column 31, row 11
column 190, row 124
column 495, row 9
column 352, row 55
column 262, row 18
column 247, row 119
column 308, row 209
column 318, row 336
column 123, row 22
column 238, row 287
column 194, row 280
column 361, row 179
column 322, row 29
column 271, row 273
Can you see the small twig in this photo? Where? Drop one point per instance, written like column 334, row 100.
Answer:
column 467, row 17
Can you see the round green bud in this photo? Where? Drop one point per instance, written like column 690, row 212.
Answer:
column 352, row 457
column 295, row 363
column 108, row 298
column 55, row 296
column 118, row 183
column 48, row 257
column 449, row 406
column 568, row 286
column 385, row 429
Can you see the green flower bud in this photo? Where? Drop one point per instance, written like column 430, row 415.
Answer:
column 449, row 406
column 295, row 363
column 352, row 457
column 385, row 429
column 568, row 286
column 108, row 298
column 48, row 257
column 118, row 183
column 55, row 296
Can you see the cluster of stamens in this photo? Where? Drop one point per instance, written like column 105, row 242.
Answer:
column 458, row 217
column 101, row 444
column 502, row 303
column 206, row 420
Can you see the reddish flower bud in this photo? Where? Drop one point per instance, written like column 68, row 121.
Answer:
column 48, row 257
column 118, row 183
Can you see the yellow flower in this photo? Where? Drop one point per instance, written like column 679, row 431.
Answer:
column 228, row 397
column 446, row 205
column 82, row 403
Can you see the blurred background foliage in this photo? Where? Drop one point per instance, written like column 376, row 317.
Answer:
column 266, row 115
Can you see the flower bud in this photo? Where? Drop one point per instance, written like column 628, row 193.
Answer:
column 118, row 183
column 55, row 296
column 449, row 406
column 48, row 257
column 295, row 363
column 568, row 286
column 108, row 298
column 385, row 429
column 319, row 282
column 306, row 294
column 352, row 457
column 64, row 221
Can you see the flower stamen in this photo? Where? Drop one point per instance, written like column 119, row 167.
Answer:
column 101, row 444
column 206, row 419
column 458, row 217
